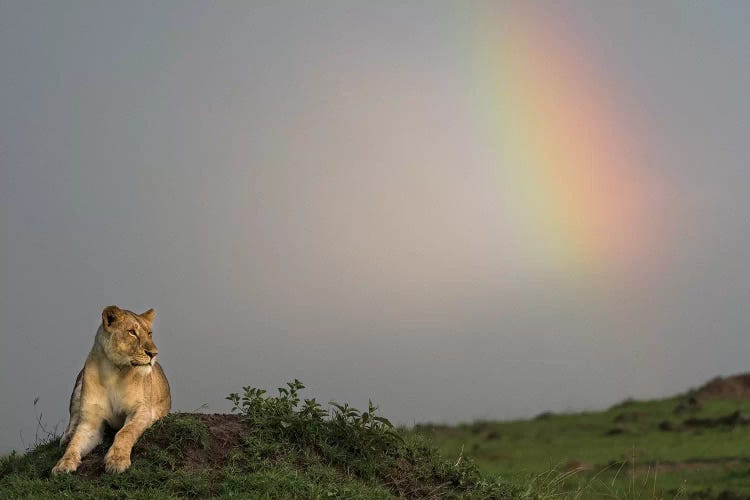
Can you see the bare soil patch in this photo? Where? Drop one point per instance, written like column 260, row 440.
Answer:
column 734, row 387
column 225, row 433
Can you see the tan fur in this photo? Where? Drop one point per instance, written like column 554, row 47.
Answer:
column 122, row 385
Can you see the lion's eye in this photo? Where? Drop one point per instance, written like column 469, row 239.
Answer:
column 132, row 332
column 150, row 333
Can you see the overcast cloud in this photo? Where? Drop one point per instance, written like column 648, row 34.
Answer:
column 297, row 189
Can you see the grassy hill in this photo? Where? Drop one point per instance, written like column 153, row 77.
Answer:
column 271, row 447
column 696, row 445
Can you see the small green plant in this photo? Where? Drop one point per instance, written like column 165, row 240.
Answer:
column 359, row 443
column 344, row 435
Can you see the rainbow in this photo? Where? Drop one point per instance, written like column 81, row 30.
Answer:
column 572, row 171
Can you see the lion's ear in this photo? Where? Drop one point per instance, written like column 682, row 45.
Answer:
column 110, row 314
column 149, row 315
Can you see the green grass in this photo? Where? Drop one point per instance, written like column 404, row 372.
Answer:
column 283, row 446
column 273, row 447
column 709, row 462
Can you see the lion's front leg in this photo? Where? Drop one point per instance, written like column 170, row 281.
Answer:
column 117, row 458
column 88, row 433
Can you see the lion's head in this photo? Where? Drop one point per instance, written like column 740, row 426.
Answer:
column 126, row 337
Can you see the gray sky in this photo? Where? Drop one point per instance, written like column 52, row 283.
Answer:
column 354, row 195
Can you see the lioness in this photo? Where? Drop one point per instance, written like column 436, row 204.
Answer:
column 120, row 384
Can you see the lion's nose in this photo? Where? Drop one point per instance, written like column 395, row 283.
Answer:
column 151, row 354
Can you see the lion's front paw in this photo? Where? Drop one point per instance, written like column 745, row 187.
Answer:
column 116, row 462
column 66, row 465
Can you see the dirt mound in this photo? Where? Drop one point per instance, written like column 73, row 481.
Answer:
column 734, row 387
column 224, row 434
column 194, row 440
